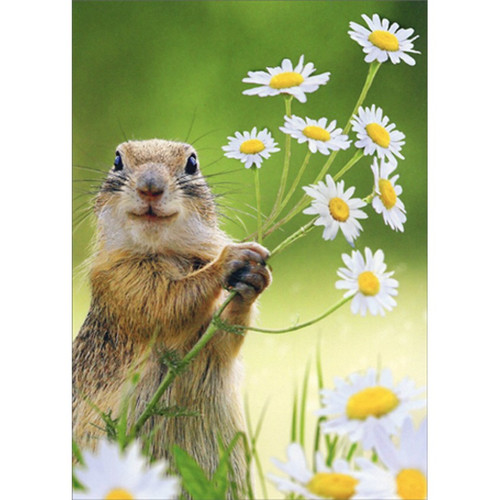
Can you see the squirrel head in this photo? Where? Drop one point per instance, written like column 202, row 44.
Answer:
column 155, row 200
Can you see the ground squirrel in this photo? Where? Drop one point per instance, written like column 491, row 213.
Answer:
column 161, row 268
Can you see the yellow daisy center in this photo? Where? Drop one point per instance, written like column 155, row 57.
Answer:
column 387, row 193
column 368, row 283
column 374, row 401
column 378, row 134
column 333, row 485
column 285, row 80
column 411, row 484
column 252, row 146
column 119, row 494
column 317, row 133
column 339, row 209
column 384, row 40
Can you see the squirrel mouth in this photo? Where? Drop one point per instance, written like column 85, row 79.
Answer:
column 151, row 216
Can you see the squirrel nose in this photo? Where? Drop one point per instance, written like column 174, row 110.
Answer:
column 150, row 187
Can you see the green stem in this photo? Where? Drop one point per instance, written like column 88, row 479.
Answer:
column 286, row 164
column 368, row 199
column 372, row 71
column 352, row 449
column 357, row 156
column 257, row 200
column 295, row 182
column 331, row 446
column 299, row 326
column 293, row 237
column 171, row 374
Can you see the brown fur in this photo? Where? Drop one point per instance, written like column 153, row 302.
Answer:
column 151, row 294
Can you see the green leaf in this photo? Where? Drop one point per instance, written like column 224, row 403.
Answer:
column 194, row 479
column 76, row 484
column 77, row 453
column 220, row 478
column 175, row 411
column 175, row 363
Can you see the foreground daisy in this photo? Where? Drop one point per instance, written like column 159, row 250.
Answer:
column 251, row 147
column 375, row 135
column 366, row 403
column 406, row 477
column 112, row 475
column 336, row 482
column 336, row 209
column 286, row 79
column 387, row 192
column 372, row 287
column 319, row 136
column 382, row 42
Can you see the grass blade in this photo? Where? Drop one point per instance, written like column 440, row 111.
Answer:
column 293, row 434
column 302, row 427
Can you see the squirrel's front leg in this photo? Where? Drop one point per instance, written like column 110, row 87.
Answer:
column 246, row 273
column 240, row 267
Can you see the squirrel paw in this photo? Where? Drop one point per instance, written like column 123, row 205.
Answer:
column 246, row 271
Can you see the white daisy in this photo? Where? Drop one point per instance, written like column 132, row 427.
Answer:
column 111, row 475
column 406, row 477
column 375, row 135
column 387, row 201
column 251, row 147
column 372, row 287
column 367, row 402
column 336, row 209
column 382, row 42
column 320, row 137
column 336, row 482
column 286, row 79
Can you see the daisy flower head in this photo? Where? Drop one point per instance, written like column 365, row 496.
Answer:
column 383, row 41
column 365, row 403
column 251, row 147
column 375, row 135
column 336, row 209
column 320, row 136
column 336, row 482
column 386, row 200
column 365, row 279
column 406, row 475
column 110, row 474
column 286, row 79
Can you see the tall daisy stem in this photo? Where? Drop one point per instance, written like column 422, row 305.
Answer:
column 293, row 237
column 357, row 156
column 295, row 182
column 257, row 201
column 286, row 165
column 299, row 326
column 372, row 71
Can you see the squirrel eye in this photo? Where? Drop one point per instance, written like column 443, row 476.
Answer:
column 118, row 162
column 191, row 165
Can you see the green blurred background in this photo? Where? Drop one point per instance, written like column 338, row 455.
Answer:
column 173, row 70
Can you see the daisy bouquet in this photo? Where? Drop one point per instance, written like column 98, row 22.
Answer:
column 365, row 420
